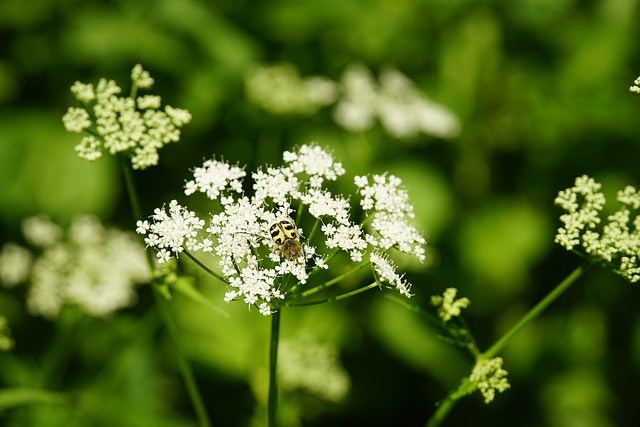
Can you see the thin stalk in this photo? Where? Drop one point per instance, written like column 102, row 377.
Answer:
column 161, row 303
column 183, row 365
column 331, row 282
column 534, row 312
column 336, row 298
column 463, row 389
column 272, row 405
column 442, row 411
column 205, row 268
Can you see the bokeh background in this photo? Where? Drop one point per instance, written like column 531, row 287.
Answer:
column 541, row 91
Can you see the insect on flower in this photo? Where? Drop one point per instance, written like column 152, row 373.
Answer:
column 285, row 235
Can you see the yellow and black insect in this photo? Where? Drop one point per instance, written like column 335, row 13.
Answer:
column 285, row 235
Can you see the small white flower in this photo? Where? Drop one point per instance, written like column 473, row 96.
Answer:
column 171, row 232
column 314, row 161
column 214, row 177
column 386, row 271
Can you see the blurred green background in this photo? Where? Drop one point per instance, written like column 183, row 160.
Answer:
column 541, row 89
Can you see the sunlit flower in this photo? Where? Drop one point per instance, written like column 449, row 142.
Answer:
column 262, row 252
column 616, row 243
column 119, row 124
column 170, row 232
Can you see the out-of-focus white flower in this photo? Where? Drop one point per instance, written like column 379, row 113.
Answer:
column 279, row 89
column 15, row 264
column 403, row 111
column 308, row 365
column 94, row 267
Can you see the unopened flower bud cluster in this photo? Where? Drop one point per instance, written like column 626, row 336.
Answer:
column 615, row 243
column 489, row 377
column 90, row 266
column 239, row 234
column 134, row 125
column 635, row 87
column 448, row 305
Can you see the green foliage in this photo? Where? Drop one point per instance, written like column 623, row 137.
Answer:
column 540, row 88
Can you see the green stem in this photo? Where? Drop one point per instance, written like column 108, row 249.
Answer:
column 336, row 298
column 464, row 388
column 534, row 312
column 183, row 365
column 442, row 411
column 205, row 268
column 331, row 282
column 272, row 406
column 161, row 303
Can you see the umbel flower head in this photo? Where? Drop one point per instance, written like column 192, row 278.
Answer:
column 90, row 266
column 489, row 377
column 616, row 243
column 134, row 125
column 263, row 252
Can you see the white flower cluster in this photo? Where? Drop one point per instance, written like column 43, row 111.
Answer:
column 133, row 125
column 94, row 268
column 172, row 232
column 616, row 243
column 391, row 214
column 308, row 365
column 635, row 88
column 489, row 377
column 402, row 110
column 256, row 241
column 448, row 305
column 279, row 89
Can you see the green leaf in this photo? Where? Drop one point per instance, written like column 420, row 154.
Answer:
column 13, row 397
